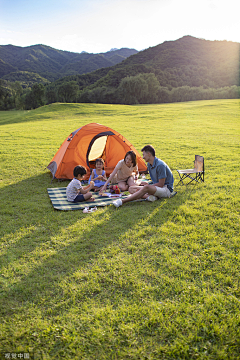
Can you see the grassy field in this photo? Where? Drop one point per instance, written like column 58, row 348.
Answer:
column 146, row 281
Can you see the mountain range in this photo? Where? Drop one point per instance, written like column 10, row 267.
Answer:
column 188, row 61
column 186, row 69
column 41, row 63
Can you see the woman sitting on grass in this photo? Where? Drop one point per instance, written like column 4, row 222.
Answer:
column 123, row 172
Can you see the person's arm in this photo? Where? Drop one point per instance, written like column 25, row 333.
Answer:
column 136, row 175
column 91, row 176
column 160, row 182
column 136, row 172
column 86, row 189
column 109, row 179
column 98, row 177
column 161, row 176
column 104, row 177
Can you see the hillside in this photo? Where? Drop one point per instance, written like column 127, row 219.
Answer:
column 185, row 62
column 53, row 64
column 25, row 78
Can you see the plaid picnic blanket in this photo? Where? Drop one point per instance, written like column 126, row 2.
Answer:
column 59, row 201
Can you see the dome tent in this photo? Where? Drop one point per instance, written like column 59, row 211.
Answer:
column 85, row 145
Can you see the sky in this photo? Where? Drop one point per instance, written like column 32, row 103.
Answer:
column 97, row 26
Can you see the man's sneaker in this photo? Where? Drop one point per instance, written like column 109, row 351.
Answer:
column 151, row 198
column 117, row 203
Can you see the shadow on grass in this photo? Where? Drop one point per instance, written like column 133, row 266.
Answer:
column 41, row 247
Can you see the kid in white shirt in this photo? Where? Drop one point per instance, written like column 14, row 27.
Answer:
column 75, row 192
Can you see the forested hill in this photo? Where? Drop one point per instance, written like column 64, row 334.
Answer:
column 44, row 63
column 187, row 61
column 182, row 70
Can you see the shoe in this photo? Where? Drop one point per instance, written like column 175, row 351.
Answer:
column 151, row 198
column 86, row 210
column 117, row 203
column 173, row 193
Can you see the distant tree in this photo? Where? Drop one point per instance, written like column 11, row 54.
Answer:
column 133, row 89
column 151, row 96
column 163, row 95
column 84, row 96
column 6, row 101
column 51, row 95
column 68, row 91
column 103, row 95
column 2, row 95
column 17, row 91
column 142, row 88
column 35, row 97
column 97, row 95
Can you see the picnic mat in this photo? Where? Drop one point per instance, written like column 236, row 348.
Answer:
column 59, row 201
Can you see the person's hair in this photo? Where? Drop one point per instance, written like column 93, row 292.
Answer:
column 99, row 161
column 79, row 170
column 149, row 148
column 133, row 157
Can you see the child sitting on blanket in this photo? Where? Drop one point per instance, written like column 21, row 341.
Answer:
column 98, row 175
column 75, row 192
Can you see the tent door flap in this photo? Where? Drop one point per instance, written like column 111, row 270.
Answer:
column 97, row 146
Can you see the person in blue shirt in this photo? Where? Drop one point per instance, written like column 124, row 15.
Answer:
column 161, row 177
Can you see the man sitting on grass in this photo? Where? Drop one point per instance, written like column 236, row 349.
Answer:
column 161, row 177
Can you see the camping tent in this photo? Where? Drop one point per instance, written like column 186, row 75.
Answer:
column 85, row 145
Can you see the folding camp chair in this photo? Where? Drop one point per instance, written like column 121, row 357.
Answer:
column 196, row 174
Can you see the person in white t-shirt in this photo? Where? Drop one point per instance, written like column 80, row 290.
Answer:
column 75, row 192
column 123, row 174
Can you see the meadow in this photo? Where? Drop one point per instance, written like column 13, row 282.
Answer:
column 145, row 281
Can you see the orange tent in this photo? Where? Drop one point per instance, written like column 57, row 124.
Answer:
column 85, row 145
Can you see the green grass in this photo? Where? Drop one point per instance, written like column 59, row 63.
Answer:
column 146, row 281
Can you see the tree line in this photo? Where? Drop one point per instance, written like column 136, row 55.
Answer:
column 143, row 88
